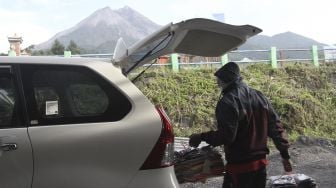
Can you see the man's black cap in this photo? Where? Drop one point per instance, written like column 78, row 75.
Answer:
column 229, row 72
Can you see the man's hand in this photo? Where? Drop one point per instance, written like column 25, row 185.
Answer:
column 287, row 166
column 195, row 140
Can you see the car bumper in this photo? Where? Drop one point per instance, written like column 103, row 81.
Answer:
column 163, row 178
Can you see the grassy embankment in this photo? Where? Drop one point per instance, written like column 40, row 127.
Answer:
column 304, row 97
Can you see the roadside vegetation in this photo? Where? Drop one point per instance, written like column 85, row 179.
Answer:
column 57, row 48
column 304, row 96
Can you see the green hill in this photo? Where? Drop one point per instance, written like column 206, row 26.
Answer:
column 304, row 96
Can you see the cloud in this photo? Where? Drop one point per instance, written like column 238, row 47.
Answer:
column 37, row 2
column 8, row 16
column 163, row 12
column 22, row 23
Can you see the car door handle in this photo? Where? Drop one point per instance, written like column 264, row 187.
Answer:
column 9, row 147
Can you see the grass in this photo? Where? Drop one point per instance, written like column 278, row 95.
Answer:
column 303, row 96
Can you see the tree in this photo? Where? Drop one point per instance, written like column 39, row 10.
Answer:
column 29, row 49
column 37, row 53
column 73, row 48
column 57, row 48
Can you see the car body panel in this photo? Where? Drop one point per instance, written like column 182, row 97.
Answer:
column 16, row 158
column 52, row 60
column 94, row 154
column 164, row 178
column 16, row 166
column 97, row 154
column 201, row 37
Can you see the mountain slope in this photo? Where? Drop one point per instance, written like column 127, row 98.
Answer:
column 99, row 32
column 282, row 40
column 287, row 40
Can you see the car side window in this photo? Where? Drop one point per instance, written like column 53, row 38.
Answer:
column 88, row 99
column 71, row 94
column 44, row 98
column 9, row 116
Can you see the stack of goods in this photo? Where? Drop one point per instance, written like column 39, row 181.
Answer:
column 289, row 181
column 193, row 165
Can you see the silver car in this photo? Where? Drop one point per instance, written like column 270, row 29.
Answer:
column 81, row 123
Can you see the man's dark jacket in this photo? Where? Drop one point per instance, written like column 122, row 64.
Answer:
column 245, row 119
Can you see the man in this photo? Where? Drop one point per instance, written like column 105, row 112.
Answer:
column 245, row 118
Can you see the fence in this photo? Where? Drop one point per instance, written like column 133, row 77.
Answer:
column 275, row 57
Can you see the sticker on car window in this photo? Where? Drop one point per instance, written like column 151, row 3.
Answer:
column 51, row 108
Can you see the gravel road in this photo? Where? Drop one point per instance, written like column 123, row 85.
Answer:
column 310, row 156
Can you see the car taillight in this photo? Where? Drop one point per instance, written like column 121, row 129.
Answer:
column 162, row 155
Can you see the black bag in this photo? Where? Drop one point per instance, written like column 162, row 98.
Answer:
column 192, row 165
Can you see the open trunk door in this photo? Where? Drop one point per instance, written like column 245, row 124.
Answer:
column 200, row 37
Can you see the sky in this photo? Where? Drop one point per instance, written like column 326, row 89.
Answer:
column 38, row 20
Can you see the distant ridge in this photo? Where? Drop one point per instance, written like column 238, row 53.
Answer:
column 282, row 40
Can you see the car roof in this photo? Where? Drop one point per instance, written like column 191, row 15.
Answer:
column 50, row 60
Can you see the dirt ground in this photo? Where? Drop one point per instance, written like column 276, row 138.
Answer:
column 310, row 156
